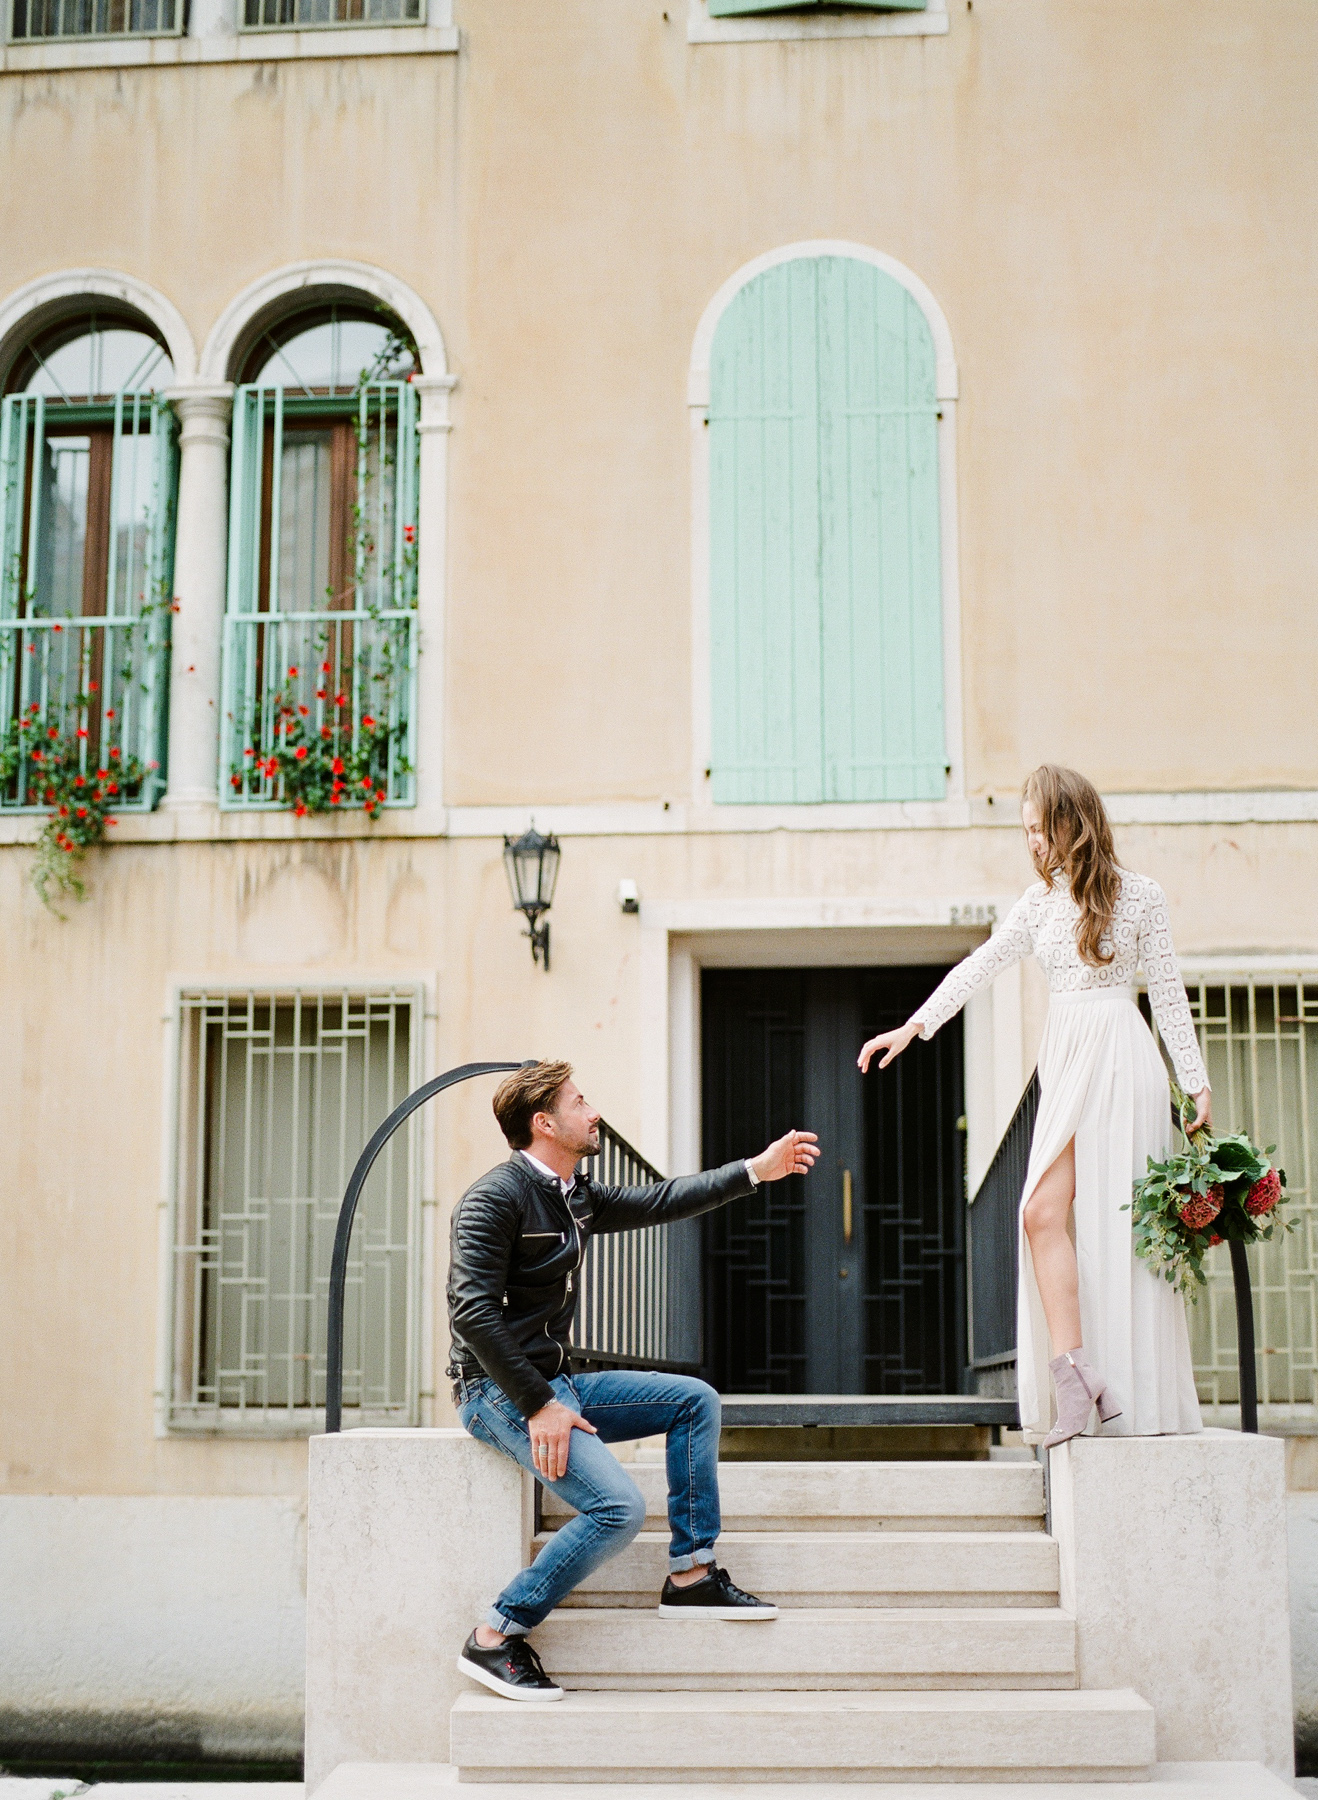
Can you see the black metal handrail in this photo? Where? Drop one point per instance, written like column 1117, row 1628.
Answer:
column 347, row 1212
column 633, row 1311
column 994, row 1274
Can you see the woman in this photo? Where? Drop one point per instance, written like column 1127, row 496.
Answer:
column 1119, row 1340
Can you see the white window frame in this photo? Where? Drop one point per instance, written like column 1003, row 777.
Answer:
column 801, row 27
column 817, row 815
column 421, row 1200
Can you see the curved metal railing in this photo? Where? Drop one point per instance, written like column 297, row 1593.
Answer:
column 347, row 1212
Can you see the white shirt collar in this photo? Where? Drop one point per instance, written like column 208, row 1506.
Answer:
column 535, row 1162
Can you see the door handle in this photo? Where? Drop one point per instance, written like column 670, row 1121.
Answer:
column 846, row 1206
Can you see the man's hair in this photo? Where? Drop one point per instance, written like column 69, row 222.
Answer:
column 518, row 1098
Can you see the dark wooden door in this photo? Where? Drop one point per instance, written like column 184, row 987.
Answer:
column 850, row 1280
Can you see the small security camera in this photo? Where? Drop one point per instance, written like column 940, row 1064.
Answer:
column 629, row 898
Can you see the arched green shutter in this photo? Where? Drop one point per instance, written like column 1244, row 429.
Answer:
column 825, row 582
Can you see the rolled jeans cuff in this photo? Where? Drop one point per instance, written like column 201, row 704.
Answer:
column 498, row 1621
column 678, row 1565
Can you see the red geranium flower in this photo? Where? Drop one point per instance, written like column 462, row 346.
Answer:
column 300, row 752
column 82, row 731
column 38, row 756
column 236, row 780
column 304, row 710
column 1199, row 1210
column 292, row 673
column 368, row 723
column 322, row 693
column 91, row 687
column 114, row 789
column 340, row 699
column 337, row 765
column 409, row 532
column 1264, row 1195
column 53, row 731
column 114, row 750
column 79, row 781
column 299, row 809
column 82, row 812
column 324, row 668
column 109, row 712
column 59, row 628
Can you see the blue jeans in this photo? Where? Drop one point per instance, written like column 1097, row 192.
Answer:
column 609, row 1505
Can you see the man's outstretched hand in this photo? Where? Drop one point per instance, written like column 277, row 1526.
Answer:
column 794, row 1154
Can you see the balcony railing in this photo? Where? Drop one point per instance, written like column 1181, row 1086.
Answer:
column 40, row 21
column 313, row 15
column 342, row 684
column 100, row 681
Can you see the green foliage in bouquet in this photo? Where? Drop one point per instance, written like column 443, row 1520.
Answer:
column 1216, row 1190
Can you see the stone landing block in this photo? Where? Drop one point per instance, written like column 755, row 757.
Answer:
column 1173, row 1560
column 410, row 1536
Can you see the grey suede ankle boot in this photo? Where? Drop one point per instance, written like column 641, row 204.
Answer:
column 1079, row 1388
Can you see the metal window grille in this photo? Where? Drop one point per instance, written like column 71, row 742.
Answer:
column 1259, row 1037
column 33, row 20
column 84, row 630
column 303, row 15
column 278, row 1092
column 352, row 657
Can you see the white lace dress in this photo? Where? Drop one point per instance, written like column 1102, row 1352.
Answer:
column 1102, row 1082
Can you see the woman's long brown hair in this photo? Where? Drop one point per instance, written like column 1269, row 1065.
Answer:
column 1075, row 829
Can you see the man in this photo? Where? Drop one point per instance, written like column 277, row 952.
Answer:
column 518, row 1239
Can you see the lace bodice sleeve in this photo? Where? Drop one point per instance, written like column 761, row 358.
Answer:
column 1010, row 943
column 1167, row 995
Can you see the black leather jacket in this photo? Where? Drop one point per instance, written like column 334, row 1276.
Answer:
column 515, row 1248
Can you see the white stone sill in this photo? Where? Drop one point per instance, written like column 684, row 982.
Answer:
column 675, row 819
column 230, row 47
column 780, row 28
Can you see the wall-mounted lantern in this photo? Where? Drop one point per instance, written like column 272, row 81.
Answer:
column 532, row 864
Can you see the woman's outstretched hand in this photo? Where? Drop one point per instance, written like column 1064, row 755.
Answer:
column 892, row 1043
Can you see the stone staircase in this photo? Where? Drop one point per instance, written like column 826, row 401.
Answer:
column 920, row 1640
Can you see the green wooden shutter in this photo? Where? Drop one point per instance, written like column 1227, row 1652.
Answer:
column 764, row 532
column 727, row 9
column 250, row 406
column 825, row 586
column 16, row 416
column 881, row 586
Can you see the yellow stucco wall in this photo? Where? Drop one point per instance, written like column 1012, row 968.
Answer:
column 1103, row 195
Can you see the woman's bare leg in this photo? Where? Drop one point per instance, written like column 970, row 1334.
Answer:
column 1053, row 1254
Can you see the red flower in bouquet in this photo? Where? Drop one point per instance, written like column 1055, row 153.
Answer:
column 1264, row 1194
column 1200, row 1210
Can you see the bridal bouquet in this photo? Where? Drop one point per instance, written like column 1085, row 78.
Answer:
column 1215, row 1190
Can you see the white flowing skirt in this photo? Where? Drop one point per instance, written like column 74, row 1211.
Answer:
column 1102, row 1081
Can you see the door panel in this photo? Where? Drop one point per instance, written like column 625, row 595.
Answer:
column 793, row 1303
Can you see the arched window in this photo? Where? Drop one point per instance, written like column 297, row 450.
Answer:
column 321, row 626
column 87, row 478
column 825, row 586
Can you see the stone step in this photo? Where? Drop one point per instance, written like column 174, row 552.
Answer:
column 1165, row 1781
column 899, row 1568
column 835, row 1649
column 1080, row 1735
column 845, row 1496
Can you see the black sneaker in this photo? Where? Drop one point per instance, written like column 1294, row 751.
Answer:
column 512, row 1669
column 716, row 1597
